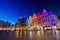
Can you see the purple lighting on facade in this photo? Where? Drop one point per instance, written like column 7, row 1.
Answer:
column 47, row 21
column 44, row 10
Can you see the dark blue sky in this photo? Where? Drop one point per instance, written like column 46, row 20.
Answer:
column 12, row 10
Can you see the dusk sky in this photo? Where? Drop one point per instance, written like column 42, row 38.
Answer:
column 12, row 10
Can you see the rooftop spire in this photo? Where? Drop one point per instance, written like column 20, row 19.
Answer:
column 44, row 10
column 39, row 14
column 34, row 15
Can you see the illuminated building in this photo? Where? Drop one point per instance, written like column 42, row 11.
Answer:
column 58, row 24
column 45, row 19
column 48, row 20
column 4, row 24
column 26, row 23
column 30, row 22
column 21, row 23
column 53, row 21
column 39, row 21
column 34, row 20
column 39, row 18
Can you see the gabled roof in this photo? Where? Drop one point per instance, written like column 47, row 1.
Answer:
column 39, row 15
column 34, row 15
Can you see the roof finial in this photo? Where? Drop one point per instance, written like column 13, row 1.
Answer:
column 44, row 10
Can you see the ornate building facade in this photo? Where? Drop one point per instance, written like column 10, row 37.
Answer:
column 39, row 21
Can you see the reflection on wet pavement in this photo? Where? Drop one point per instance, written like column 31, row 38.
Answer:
column 30, row 35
